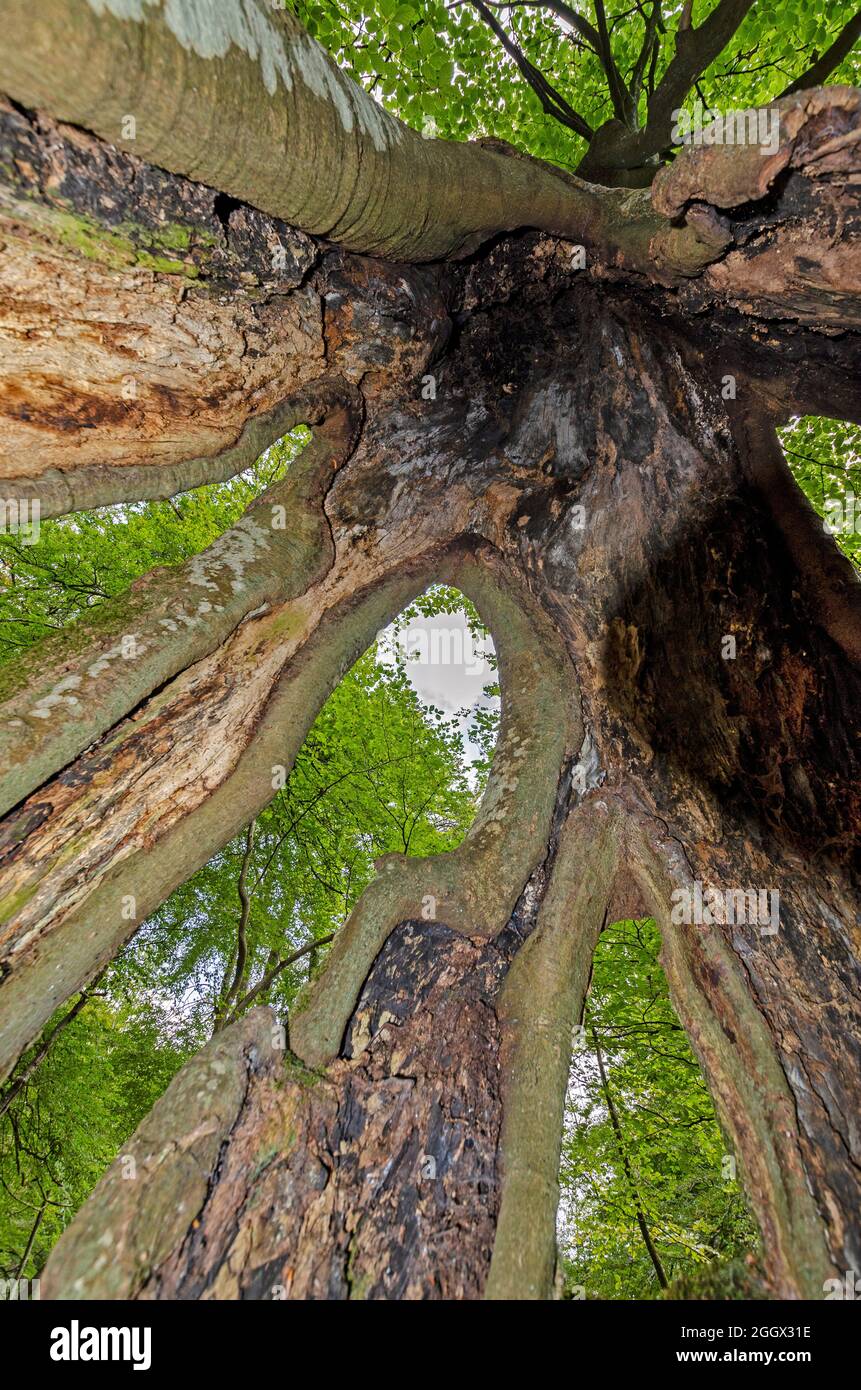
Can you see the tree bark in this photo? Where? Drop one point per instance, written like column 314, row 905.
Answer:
column 590, row 457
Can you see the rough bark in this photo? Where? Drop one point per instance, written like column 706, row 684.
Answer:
column 579, row 472
column 684, row 766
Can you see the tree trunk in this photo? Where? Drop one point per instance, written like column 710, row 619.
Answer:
column 592, row 460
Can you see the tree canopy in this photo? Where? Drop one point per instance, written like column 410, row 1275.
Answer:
column 547, row 76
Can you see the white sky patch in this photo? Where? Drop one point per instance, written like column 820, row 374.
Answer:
column 445, row 666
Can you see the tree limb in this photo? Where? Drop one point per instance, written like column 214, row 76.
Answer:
column 696, row 49
column 272, row 974
column 552, row 102
column 619, row 94
column 230, row 993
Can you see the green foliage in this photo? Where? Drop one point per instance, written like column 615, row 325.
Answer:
column 678, row 1162
column 442, row 70
column 825, row 458
column 379, row 772
column 80, row 560
column 99, row 1078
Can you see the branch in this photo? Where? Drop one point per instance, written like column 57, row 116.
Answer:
column 274, row 569
column 229, row 995
column 619, row 94
column 696, row 49
column 818, row 71
column 648, row 51
column 271, row 975
column 587, row 31
column 552, row 102
column 335, row 143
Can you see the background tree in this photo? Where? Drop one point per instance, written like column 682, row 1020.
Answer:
column 648, row 1183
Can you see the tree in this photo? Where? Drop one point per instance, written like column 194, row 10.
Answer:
column 560, row 397
column 651, row 1190
column 376, row 773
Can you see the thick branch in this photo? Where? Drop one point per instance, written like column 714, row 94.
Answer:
column 552, row 102
column 540, row 1003
column 829, row 578
column 696, row 49
column 337, row 149
column 68, row 693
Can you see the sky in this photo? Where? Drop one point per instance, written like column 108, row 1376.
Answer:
column 444, row 665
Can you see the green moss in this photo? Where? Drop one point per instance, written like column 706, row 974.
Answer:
column 295, row 1070
column 172, row 237
column 87, row 238
column 126, row 245
column 12, row 904
column 163, row 266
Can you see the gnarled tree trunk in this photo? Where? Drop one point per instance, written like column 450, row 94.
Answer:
column 591, row 457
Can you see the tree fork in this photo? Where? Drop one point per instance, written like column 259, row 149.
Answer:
column 69, row 694
column 157, row 1258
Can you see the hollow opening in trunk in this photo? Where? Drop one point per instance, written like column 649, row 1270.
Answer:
column 824, row 456
column 396, row 762
column 651, row 1203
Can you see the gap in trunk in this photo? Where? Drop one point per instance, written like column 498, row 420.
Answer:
column 824, row 457
column 650, row 1197
column 396, row 761
column 55, row 572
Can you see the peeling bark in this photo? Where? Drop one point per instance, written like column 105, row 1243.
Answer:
column 579, row 472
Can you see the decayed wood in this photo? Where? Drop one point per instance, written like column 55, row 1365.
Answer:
column 578, row 449
column 718, row 771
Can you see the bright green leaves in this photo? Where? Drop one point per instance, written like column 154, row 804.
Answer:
column 102, row 1074
column 443, row 70
column 680, row 1172
column 774, row 45
column 825, row 458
